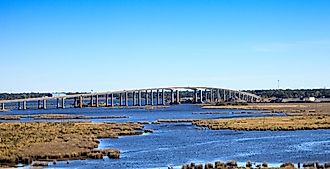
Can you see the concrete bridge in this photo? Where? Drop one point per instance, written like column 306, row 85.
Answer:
column 138, row 97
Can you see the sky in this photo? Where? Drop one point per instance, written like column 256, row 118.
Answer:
column 106, row 45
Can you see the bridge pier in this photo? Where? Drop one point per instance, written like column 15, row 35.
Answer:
column 75, row 102
column 81, row 102
column 57, row 103
column 172, row 96
column 92, row 101
column 2, row 106
column 224, row 95
column 96, row 100
column 201, row 96
column 120, row 99
column 177, row 96
column 205, row 93
column 44, row 105
column 163, row 96
column 133, row 97
column 211, row 96
column 139, row 98
column 39, row 104
column 157, row 97
column 106, row 100
column 63, row 103
column 112, row 99
column 152, row 97
column 146, row 97
column 195, row 96
column 126, row 99
column 218, row 95
column 24, row 105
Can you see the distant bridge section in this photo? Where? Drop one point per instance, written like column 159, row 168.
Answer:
column 137, row 97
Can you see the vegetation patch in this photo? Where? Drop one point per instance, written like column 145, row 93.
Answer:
column 268, row 123
column 56, row 117
column 288, row 108
column 24, row 142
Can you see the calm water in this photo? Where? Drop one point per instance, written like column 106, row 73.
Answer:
column 173, row 144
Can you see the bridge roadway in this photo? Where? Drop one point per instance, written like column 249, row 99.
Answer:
column 150, row 96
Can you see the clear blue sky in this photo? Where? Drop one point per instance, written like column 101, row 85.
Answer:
column 63, row 45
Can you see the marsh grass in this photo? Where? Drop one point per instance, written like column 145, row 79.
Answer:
column 274, row 123
column 24, row 142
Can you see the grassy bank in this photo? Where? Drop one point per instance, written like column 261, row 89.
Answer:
column 268, row 123
column 24, row 142
column 288, row 108
column 56, row 117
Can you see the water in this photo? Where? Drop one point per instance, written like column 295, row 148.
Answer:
column 173, row 144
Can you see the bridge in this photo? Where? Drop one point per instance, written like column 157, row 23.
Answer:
column 137, row 97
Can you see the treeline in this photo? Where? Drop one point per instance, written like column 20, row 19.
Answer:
column 293, row 93
column 12, row 96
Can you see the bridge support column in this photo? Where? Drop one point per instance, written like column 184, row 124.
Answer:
column 230, row 95
column 97, row 101
column 19, row 106
column 201, row 96
column 24, row 105
column 134, row 98
column 224, row 95
column 152, row 97
column 211, row 95
column 195, row 96
column 44, row 104
column 157, row 97
column 172, row 97
column 163, row 96
column 126, row 99
column 39, row 104
column 205, row 93
column 177, row 96
column 146, row 97
column 120, row 99
column 57, row 103
column 218, row 95
column 75, row 102
column 3, row 106
column 81, row 102
column 139, row 99
column 92, row 101
column 106, row 100
column 112, row 100
column 63, row 103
